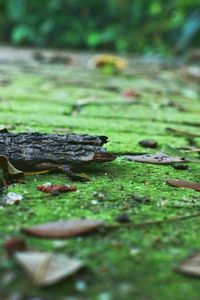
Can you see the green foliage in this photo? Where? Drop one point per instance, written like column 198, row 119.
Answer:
column 123, row 25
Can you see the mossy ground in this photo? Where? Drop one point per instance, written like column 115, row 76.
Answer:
column 134, row 263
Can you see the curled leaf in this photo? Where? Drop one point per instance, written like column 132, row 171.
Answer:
column 11, row 174
column 169, row 150
column 47, row 268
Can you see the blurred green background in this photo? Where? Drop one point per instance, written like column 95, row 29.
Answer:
column 161, row 26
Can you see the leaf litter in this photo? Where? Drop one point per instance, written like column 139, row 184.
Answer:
column 167, row 155
column 190, row 266
column 10, row 173
column 50, row 188
column 64, row 229
column 46, row 269
column 183, row 184
column 157, row 158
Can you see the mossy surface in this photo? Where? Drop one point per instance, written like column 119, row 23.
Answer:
column 127, row 263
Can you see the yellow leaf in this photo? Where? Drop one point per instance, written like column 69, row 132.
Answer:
column 103, row 60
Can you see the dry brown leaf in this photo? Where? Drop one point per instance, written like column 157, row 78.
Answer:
column 63, row 229
column 184, row 184
column 190, row 265
column 11, row 174
column 157, row 158
column 47, row 268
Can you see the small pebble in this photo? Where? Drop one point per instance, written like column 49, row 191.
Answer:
column 59, row 244
column 81, row 286
column 104, row 296
column 123, row 219
column 180, row 167
column 55, row 193
column 148, row 143
column 94, row 202
column 99, row 195
column 134, row 251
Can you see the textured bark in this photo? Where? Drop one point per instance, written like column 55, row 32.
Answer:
column 33, row 150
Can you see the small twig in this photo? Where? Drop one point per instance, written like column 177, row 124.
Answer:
column 80, row 104
column 150, row 223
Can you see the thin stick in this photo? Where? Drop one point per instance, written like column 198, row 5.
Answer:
column 150, row 223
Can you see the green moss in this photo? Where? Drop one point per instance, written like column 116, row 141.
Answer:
column 125, row 263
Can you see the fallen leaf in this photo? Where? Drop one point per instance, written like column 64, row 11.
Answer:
column 104, row 60
column 63, row 229
column 169, row 150
column 11, row 174
column 184, row 184
column 47, row 268
column 191, row 265
column 157, row 158
column 12, row 198
column 49, row 188
column 14, row 244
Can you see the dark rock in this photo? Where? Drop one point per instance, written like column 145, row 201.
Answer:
column 148, row 143
column 180, row 166
column 123, row 219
